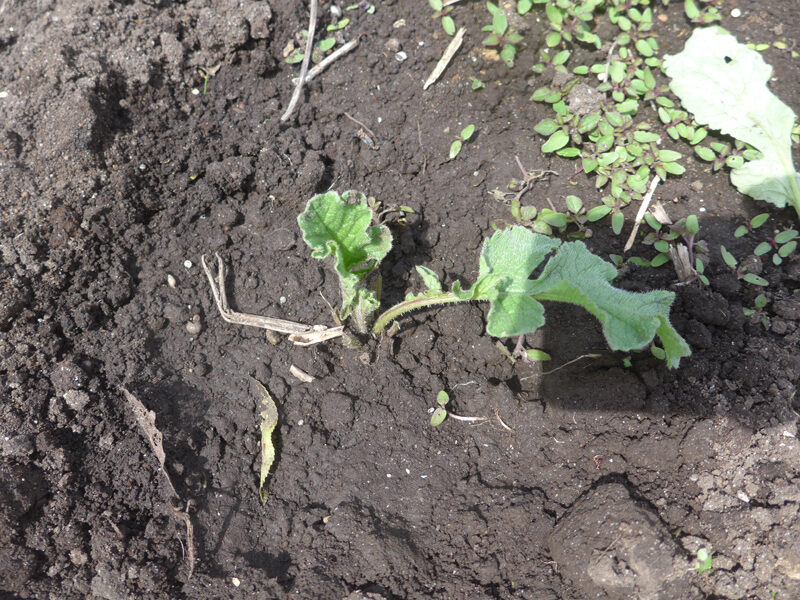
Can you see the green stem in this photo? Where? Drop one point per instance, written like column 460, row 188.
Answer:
column 402, row 308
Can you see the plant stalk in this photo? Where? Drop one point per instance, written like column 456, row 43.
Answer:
column 402, row 308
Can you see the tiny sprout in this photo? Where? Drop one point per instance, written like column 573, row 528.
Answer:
column 754, row 223
column 476, row 84
column 440, row 413
column 704, row 560
column 464, row 136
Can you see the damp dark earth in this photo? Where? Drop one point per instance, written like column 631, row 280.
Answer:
column 137, row 137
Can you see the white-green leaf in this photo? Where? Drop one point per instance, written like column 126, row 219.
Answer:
column 724, row 84
column 438, row 417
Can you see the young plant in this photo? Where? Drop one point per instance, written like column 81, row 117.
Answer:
column 332, row 227
column 339, row 227
column 784, row 243
column 573, row 275
column 464, row 136
column 440, row 413
column 738, row 103
column 751, row 226
column 441, row 12
column 741, row 271
column 704, row 560
column 501, row 36
column 758, row 309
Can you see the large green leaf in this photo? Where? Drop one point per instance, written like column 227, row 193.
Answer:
column 333, row 227
column 724, row 84
column 630, row 320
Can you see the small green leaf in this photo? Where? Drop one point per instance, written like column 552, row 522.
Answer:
column 561, row 57
column 455, row 148
column 729, row 259
column 448, row 25
column 785, row 236
column 617, row 221
column 574, row 204
column 537, row 355
column 741, row 231
column 705, row 153
column 692, row 225
column 476, row 84
column 326, row 44
column 558, row 140
column 644, row 48
column 438, row 417
column 787, row 249
column 442, row 398
column 598, row 212
column 759, row 220
column 553, row 39
column 755, row 279
column 467, row 132
column 762, row 249
column 659, row 259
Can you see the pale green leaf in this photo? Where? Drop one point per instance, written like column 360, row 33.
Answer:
column 724, row 84
column 332, row 227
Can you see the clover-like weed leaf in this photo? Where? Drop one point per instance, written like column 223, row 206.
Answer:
column 334, row 227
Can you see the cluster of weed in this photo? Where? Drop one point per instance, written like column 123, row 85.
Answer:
column 601, row 125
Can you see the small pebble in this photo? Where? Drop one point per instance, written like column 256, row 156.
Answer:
column 187, row 264
column 392, row 45
column 282, row 300
column 736, row 13
column 195, row 91
column 194, row 326
column 697, row 185
column 236, row 582
column 401, row 56
column 171, row 281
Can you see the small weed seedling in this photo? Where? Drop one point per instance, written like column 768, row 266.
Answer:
column 441, row 12
column 464, row 136
column 784, row 243
column 332, row 227
column 500, row 36
column 740, row 270
column 758, row 309
column 704, row 560
column 440, row 412
column 751, row 226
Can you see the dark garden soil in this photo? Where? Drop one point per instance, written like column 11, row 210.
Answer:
column 119, row 169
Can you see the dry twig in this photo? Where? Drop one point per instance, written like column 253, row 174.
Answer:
column 312, row 24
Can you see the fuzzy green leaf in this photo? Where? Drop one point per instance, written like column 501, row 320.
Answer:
column 574, row 275
column 725, row 85
column 332, row 227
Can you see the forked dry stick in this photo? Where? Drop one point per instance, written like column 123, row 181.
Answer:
column 299, row 333
column 312, row 24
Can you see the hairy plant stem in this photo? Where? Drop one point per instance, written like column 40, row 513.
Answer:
column 402, row 308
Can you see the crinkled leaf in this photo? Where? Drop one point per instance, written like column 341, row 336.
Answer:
column 630, row 320
column 574, row 275
column 332, row 227
column 725, row 85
